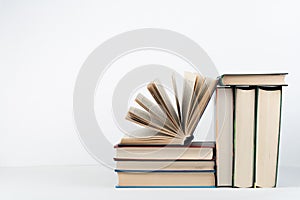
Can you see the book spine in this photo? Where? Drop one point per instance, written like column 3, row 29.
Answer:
column 220, row 81
column 277, row 160
column 234, row 131
column 255, row 136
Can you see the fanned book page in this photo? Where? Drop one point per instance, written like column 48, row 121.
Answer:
column 171, row 124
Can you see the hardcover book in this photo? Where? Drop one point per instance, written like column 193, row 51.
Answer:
column 153, row 165
column 244, row 137
column 166, row 179
column 267, row 135
column 270, row 79
column 224, row 136
column 195, row 151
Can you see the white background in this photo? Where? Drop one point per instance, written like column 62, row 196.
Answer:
column 44, row 43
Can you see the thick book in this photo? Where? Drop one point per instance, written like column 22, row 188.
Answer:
column 244, row 137
column 267, row 135
column 270, row 79
column 166, row 179
column 224, row 136
column 165, row 123
column 195, row 151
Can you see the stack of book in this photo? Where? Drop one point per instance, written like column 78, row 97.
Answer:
column 248, row 115
column 155, row 166
column 162, row 153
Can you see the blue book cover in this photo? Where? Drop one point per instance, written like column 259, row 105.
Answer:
column 165, row 171
column 117, row 186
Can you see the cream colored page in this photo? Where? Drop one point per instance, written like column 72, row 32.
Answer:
column 267, row 137
column 244, row 138
column 188, row 89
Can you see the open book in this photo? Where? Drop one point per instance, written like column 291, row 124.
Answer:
column 168, row 123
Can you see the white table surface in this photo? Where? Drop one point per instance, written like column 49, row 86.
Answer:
column 97, row 182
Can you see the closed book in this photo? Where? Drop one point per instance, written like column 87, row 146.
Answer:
column 269, row 79
column 166, row 179
column 224, row 136
column 165, row 165
column 158, row 187
column 244, row 137
column 195, row 151
column 267, row 135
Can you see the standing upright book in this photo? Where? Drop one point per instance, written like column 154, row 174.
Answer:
column 244, row 137
column 224, row 136
column 256, row 131
column 267, row 135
